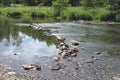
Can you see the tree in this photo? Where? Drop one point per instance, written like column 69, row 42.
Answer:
column 74, row 2
column 115, row 4
column 31, row 2
column 59, row 5
column 47, row 2
column 5, row 2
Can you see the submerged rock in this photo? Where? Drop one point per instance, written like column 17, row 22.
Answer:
column 98, row 53
column 74, row 42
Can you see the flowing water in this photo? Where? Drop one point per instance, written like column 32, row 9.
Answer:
column 20, row 45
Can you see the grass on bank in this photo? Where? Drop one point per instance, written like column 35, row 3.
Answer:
column 70, row 13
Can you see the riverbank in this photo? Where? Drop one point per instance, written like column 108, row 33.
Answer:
column 69, row 14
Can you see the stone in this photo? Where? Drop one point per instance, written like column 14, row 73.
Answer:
column 59, row 38
column 12, row 73
column 31, row 67
column 74, row 55
column 63, row 47
column 98, row 53
column 74, row 49
column 75, row 43
column 63, row 54
column 92, row 56
column 56, row 58
column 90, row 61
column 62, row 44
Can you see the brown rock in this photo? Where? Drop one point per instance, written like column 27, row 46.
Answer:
column 31, row 67
column 74, row 49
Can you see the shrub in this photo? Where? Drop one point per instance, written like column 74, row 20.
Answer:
column 117, row 18
column 38, row 14
column 108, row 17
column 15, row 14
column 76, row 15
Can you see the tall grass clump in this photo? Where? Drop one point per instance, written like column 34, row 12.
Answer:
column 38, row 14
column 76, row 15
column 98, row 12
column 14, row 14
column 117, row 18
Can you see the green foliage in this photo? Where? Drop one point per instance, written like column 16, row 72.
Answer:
column 14, row 14
column 39, row 14
column 117, row 18
column 98, row 12
column 59, row 5
column 5, row 2
column 108, row 17
column 76, row 15
column 74, row 2
column 115, row 4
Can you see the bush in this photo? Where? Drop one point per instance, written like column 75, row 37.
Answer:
column 117, row 18
column 108, row 17
column 38, row 14
column 76, row 15
column 15, row 14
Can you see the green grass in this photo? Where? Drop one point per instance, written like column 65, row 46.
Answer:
column 70, row 13
column 117, row 18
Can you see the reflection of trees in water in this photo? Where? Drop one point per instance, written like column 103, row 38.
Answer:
column 8, row 31
column 11, row 33
column 38, row 34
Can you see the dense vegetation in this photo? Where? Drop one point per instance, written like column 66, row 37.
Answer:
column 105, row 10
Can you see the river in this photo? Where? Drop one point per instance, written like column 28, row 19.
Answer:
column 25, row 45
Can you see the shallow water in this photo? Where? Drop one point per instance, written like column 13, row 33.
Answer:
column 25, row 45
column 20, row 45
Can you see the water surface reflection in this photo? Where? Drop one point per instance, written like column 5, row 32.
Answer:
column 25, row 45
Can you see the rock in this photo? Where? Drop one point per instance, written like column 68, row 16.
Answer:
column 90, row 61
column 15, row 54
column 31, row 67
column 98, row 53
column 92, row 56
column 82, row 48
column 74, row 49
column 74, row 55
column 12, row 73
column 56, row 58
column 63, row 54
column 60, row 38
column 63, row 47
column 75, row 43
column 62, row 44
column 27, row 67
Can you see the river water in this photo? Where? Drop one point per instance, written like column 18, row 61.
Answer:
column 24, row 45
